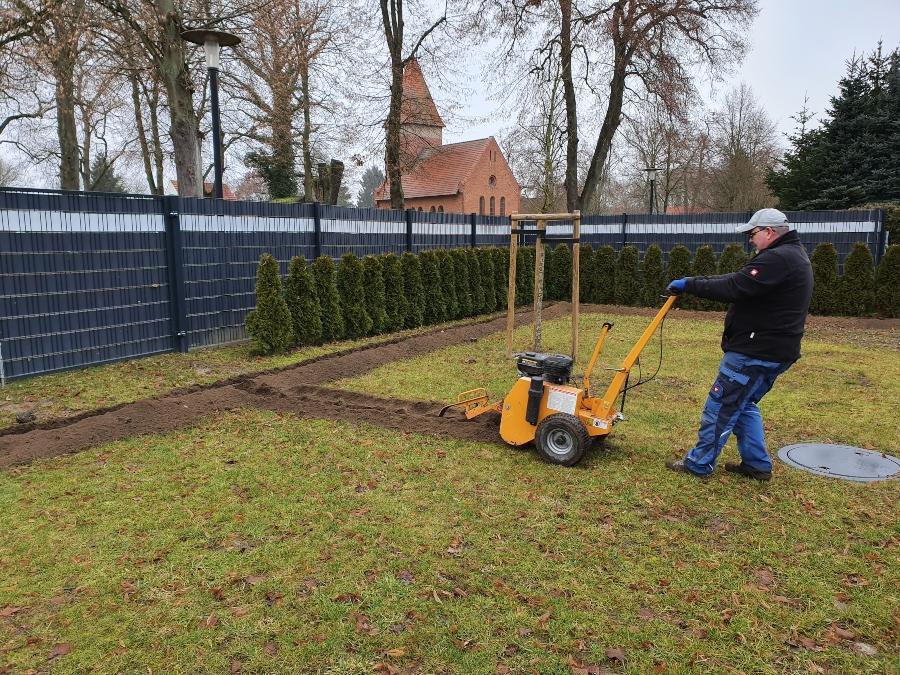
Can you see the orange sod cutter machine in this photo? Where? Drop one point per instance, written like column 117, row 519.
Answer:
column 542, row 405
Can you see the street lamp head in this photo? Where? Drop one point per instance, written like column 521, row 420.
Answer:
column 212, row 41
column 651, row 173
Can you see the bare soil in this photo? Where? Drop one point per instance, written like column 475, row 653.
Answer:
column 298, row 390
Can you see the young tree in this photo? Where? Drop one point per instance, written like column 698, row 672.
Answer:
column 372, row 179
column 465, row 306
column 628, row 279
column 103, row 177
column 487, row 280
column 329, row 299
column 413, row 291
column 605, row 275
column 733, row 258
column 887, row 283
column 303, row 303
column 824, row 261
column 654, row 276
column 269, row 325
column 376, row 302
column 558, row 278
column 357, row 322
column 435, row 307
column 396, row 304
column 475, row 284
column 585, row 273
column 857, row 286
column 447, row 274
column 705, row 266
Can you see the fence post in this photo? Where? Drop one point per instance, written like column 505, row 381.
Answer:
column 880, row 236
column 624, row 229
column 473, row 233
column 409, row 243
column 175, row 259
column 317, row 230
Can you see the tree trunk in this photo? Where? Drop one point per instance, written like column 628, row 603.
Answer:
column 141, row 134
column 392, row 135
column 309, row 181
column 155, row 138
column 572, row 200
column 66, row 129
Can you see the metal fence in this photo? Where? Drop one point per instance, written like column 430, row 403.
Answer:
column 90, row 278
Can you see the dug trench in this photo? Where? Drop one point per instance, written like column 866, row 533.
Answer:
column 297, row 390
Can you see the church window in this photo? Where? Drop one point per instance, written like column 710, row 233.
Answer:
column 481, row 206
column 440, row 209
column 492, row 181
column 432, row 209
column 502, row 206
column 493, row 202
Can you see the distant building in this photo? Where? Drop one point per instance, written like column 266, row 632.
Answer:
column 467, row 177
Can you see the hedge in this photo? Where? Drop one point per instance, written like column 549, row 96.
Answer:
column 488, row 280
column 447, row 274
column 269, row 325
column 824, row 261
column 605, row 281
column 413, row 290
column 435, row 306
column 627, row 275
column 357, row 322
column 376, row 301
column 395, row 303
column 654, row 276
column 558, row 273
column 303, row 303
column 887, row 283
column 329, row 299
column 705, row 266
column 857, row 287
column 461, row 281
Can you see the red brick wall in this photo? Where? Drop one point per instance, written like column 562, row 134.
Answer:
column 479, row 185
column 451, row 203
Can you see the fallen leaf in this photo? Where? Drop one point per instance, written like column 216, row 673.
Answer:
column 217, row 593
column 349, row 598
column 836, row 634
column 616, row 654
column 60, row 649
column 406, row 577
column 270, row 648
column 236, row 667
column 9, row 611
column 543, row 620
column 863, row 649
column 273, row 599
column 254, row 579
column 765, row 579
column 385, row 668
column 395, row 653
column 238, row 612
column 211, row 621
column 646, row 613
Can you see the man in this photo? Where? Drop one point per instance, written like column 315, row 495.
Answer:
column 769, row 300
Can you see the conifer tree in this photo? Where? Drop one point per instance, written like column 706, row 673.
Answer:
column 501, row 276
column 435, row 306
column 558, row 273
column 628, row 280
column 857, row 286
column 269, row 325
column 585, row 273
column 678, row 268
column 357, row 322
column 705, row 266
column 303, row 303
column 465, row 307
column 525, row 275
column 475, row 281
column 605, row 275
column 376, row 303
column 733, row 258
column 447, row 272
column 489, row 291
column 329, row 299
column 413, row 291
column 654, row 276
column 887, row 283
column 395, row 303
column 824, row 261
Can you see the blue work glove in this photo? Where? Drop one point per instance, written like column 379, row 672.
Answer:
column 677, row 286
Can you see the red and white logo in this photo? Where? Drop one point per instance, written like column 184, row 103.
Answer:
column 753, row 271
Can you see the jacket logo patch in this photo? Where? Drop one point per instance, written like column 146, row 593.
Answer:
column 753, row 271
column 717, row 389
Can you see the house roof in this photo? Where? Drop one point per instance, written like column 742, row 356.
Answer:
column 417, row 106
column 442, row 171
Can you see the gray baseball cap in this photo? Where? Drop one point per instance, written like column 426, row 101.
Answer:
column 764, row 218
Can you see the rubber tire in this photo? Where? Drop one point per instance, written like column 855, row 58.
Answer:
column 566, row 432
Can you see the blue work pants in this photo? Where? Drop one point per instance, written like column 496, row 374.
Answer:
column 732, row 407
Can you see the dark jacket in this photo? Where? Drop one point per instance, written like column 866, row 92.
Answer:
column 769, row 300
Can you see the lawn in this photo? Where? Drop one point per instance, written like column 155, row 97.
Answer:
column 261, row 543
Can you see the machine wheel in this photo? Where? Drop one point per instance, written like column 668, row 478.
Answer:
column 562, row 439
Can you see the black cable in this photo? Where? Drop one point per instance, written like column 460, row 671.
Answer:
column 640, row 375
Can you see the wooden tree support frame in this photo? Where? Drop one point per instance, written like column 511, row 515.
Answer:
column 540, row 230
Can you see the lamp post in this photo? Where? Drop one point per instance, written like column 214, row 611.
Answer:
column 651, row 176
column 212, row 41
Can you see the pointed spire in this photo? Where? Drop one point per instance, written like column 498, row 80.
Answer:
column 417, row 106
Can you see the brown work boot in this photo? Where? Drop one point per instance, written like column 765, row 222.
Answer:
column 744, row 470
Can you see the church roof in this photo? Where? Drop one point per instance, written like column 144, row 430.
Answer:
column 417, row 106
column 442, row 171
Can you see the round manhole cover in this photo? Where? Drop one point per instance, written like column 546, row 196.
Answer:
column 841, row 461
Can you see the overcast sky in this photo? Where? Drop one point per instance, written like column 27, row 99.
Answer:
column 797, row 48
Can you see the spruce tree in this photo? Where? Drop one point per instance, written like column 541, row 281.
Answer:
column 488, row 287
column 269, row 325
column 857, row 286
column 705, row 266
column 887, row 283
column 501, row 276
column 447, row 271
column 678, row 268
column 465, row 307
column 475, row 281
column 329, row 299
column 559, row 273
column 585, row 273
column 357, row 322
column 395, row 303
column 733, row 258
column 303, row 303
column 376, row 303
column 525, row 275
column 628, row 280
column 824, row 261
column 435, row 307
column 413, row 291
column 654, row 276
column 605, row 275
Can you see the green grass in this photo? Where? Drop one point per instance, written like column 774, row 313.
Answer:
column 310, row 546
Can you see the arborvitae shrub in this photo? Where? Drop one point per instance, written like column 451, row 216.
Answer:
column 887, row 283
column 705, row 266
column 435, row 307
column 654, row 276
column 395, row 304
column 447, row 271
column 329, row 299
column 413, row 290
column 461, row 280
column 303, row 303
column 628, row 279
column 559, row 273
column 269, row 325
column 357, row 322
column 585, row 273
column 475, row 287
column 824, row 261
column 489, row 290
column 733, row 258
column 373, row 283
column 679, row 267
column 605, row 275
column 525, row 275
column 857, row 287
column 501, row 276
